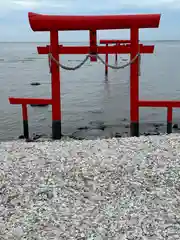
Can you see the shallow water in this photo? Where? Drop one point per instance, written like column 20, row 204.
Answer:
column 87, row 99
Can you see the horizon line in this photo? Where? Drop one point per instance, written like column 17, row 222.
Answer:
column 157, row 40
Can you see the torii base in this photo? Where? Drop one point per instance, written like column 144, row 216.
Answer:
column 134, row 128
column 56, row 130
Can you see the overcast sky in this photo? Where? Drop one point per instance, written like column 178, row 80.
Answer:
column 14, row 25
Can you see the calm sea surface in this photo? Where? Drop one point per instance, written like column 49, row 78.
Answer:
column 87, row 99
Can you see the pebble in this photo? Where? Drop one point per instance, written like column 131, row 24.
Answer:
column 119, row 188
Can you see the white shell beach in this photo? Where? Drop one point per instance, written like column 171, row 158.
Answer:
column 124, row 189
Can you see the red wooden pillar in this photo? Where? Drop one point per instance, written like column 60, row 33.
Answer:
column 55, row 78
column 93, row 45
column 106, row 60
column 169, row 120
column 134, row 84
column 25, row 121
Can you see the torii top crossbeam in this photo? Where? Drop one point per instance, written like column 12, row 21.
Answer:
column 41, row 22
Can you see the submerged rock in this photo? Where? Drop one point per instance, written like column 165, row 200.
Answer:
column 97, row 125
column 117, row 135
column 21, row 137
column 90, row 134
column 97, row 111
column 35, row 84
column 124, row 120
column 151, row 133
column 157, row 125
column 39, row 105
column 37, row 136
column 175, row 126
column 83, row 128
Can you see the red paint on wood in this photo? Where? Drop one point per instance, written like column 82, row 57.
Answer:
column 27, row 101
column 41, row 22
column 106, row 60
column 24, row 112
column 100, row 49
column 149, row 103
column 55, row 77
column 169, row 114
column 134, row 77
column 93, row 45
column 112, row 41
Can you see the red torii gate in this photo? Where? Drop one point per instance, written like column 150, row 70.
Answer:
column 107, row 42
column 116, row 43
column 53, row 24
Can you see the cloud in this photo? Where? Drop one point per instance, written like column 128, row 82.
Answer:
column 39, row 4
column 86, row 5
column 14, row 20
column 28, row 5
column 25, row 4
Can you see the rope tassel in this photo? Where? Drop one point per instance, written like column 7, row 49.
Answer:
column 139, row 71
column 49, row 61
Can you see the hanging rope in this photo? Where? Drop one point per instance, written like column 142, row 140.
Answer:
column 50, row 56
column 67, row 67
column 118, row 67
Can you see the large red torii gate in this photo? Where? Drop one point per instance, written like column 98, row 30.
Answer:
column 53, row 24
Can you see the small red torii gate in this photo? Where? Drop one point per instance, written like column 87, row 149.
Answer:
column 53, row 24
column 115, row 42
